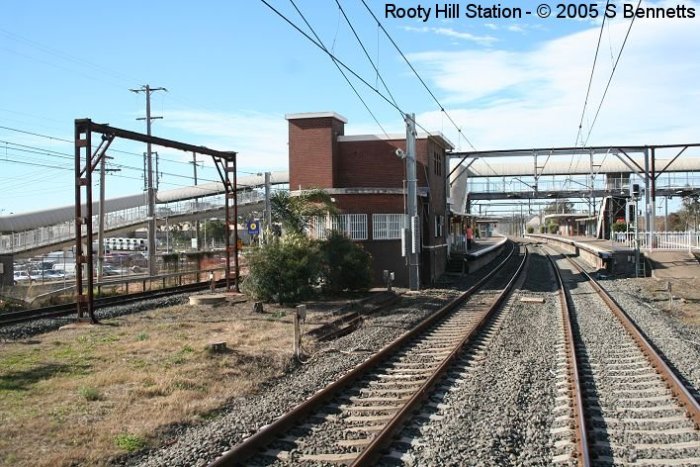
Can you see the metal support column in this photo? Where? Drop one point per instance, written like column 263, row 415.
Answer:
column 647, row 197
column 83, row 146
column 412, row 205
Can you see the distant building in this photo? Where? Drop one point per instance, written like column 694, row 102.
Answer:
column 366, row 179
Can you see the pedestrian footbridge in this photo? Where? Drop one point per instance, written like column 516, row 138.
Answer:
column 32, row 233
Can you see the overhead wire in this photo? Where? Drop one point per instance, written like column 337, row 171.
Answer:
column 110, row 150
column 333, row 56
column 341, row 63
column 347, row 80
column 612, row 73
column 364, row 49
column 590, row 79
column 588, row 90
column 410, row 65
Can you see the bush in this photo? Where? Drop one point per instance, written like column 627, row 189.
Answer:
column 619, row 226
column 530, row 229
column 543, row 229
column 129, row 442
column 89, row 393
column 284, row 271
column 345, row 265
column 553, row 228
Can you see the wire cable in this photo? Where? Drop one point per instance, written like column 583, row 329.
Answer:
column 379, row 75
column 442, row 109
column 347, row 80
column 617, row 61
column 590, row 79
column 340, row 62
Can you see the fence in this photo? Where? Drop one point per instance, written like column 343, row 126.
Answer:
column 64, row 231
column 660, row 240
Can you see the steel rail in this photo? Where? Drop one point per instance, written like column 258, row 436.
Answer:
column 373, row 450
column 254, row 443
column 57, row 311
column 580, row 434
column 678, row 389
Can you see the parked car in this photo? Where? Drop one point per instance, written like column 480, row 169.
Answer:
column 110, row 271
column 22, row 276
column 52, row 274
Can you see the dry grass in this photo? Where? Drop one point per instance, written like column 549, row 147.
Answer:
column 686, row 297
column 88, row 393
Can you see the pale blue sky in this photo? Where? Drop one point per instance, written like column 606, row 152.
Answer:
column 234, row 69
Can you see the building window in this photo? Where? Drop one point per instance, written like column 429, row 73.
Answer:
column 387, row 226
column 353, row 226
column 437, row 162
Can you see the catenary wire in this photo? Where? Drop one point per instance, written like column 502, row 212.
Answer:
column 364, row 49
column 590, row 79
column 442, row 108
column 612, row 73
column 347, row 80
column 341, row 63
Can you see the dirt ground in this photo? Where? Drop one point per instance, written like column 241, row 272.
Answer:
column 686, row 297
column 85, row 393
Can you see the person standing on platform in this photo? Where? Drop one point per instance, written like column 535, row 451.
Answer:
column 470, row 237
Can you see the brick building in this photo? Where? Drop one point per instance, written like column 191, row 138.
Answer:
column 366, row 179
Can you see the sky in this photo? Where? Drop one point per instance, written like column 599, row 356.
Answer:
column 234, row 69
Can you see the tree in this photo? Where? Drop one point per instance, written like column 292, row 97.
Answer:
column 689, row 213
column 559, row 206
column 215, row 230
column 284, row 271
column 345, row 265
column 295, row 212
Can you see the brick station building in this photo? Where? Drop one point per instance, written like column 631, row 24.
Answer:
column 366, row 179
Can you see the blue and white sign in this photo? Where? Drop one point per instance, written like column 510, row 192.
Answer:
column 253, row 227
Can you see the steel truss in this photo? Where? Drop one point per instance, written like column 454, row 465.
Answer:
column 86, row 161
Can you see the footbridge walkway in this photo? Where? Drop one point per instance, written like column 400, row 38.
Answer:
column 28, row 234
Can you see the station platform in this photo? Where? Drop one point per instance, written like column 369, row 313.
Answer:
column 673, row 264
column 618, row 259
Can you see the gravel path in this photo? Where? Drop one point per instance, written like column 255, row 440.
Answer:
column 500, row 410
column 633, row 415
column 680, row 343
column 198, row 445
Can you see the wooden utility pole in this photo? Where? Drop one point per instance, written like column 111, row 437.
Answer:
column 151, row 192
column 101, row 226
column 196, row 201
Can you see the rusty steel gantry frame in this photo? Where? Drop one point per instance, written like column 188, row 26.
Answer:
column 86, row 162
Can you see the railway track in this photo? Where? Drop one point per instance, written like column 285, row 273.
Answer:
column 58, row 311
column 354, row 420
column 620, row 403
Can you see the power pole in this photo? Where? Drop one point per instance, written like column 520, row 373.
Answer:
column 196, row 201
column 268, row 207
column 413, row 245
column 151, row 193
column 101, row 227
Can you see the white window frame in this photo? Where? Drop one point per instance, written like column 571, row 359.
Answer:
column 387, row 226
column 353, row 226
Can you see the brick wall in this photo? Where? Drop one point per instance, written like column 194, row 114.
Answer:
column 313, row 151
column 317, row 159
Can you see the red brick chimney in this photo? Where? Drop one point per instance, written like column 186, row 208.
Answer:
column 313, row 149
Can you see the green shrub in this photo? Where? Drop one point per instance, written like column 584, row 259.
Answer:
column 543, row 229
column 129, row 442
column 619, row 226
column 530, row 229
column 345, row 264
column 284, row 271
column 553, row 228
column 89, row 393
